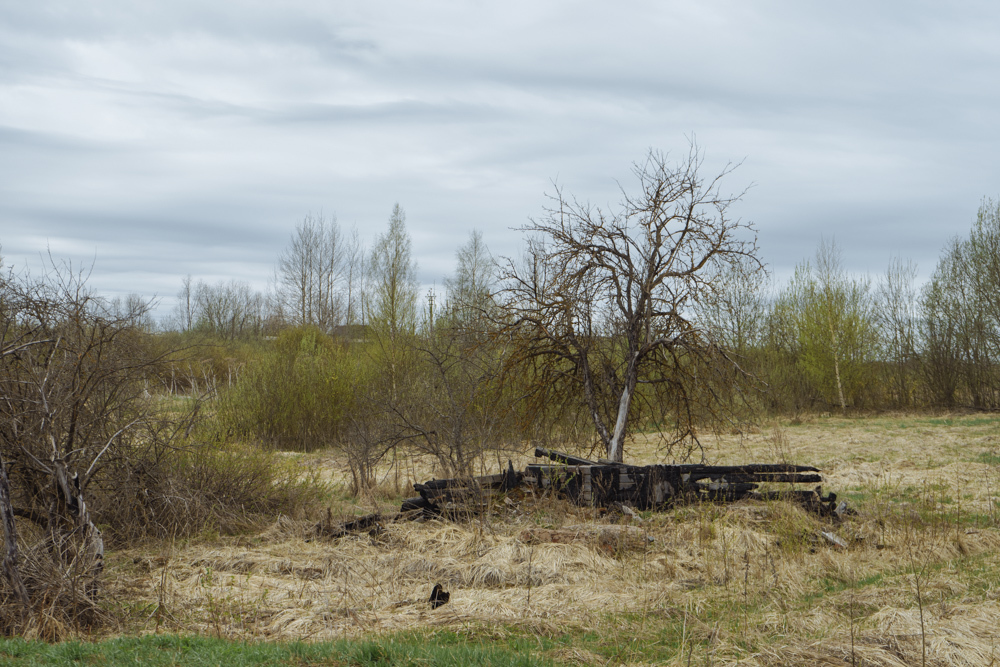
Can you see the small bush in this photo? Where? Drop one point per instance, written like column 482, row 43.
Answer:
column 187, row 489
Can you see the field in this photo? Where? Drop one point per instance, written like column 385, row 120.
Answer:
column 748, row 583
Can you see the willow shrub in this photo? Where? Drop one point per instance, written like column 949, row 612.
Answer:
column 296, row 394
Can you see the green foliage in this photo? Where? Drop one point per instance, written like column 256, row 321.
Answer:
column 778, row 360
column 835, row 330
column 989, row 457
column 961, row 317
column 296, row 394
column 197, row 362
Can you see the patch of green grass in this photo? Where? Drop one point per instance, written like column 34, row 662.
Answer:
column 655, row 636
column 830, row 585
column 991, row 457
column 854, row 497
column 962, row 421
column 918, row 422
column 407, row 650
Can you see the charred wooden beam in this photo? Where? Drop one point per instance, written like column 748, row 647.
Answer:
column 509, row 479
column 788, row 478
column 605, row 483
column 747, row 469
column 560, row 457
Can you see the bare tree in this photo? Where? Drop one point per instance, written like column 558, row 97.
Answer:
column 454, row 405
column 601, row 301
column 309, row 273
column 355, row 271
column 185, row 305
column 230, row 309
column 735, row 312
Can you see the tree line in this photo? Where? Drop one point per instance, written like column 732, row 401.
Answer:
column 654, row 316
column 324, row 278
column 828, row 340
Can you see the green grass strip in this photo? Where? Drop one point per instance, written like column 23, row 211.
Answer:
column 447, row 649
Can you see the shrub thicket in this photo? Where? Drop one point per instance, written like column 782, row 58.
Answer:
column 88, row 453
column 296, row 393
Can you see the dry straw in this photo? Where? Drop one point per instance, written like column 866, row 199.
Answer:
column 750, row 582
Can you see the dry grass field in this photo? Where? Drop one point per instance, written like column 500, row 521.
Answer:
column 749, row 583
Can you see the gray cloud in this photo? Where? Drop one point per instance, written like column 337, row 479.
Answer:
column 160, row 139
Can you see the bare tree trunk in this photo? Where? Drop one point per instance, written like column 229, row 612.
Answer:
column 10, row 537
column 836, row 369
column 615, row 450
column 92, row 542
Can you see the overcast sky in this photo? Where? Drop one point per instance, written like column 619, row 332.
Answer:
column 158, row 139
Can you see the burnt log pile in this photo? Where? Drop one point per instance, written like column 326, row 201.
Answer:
column 601, row 483
column 605, row 483
column 610, row 485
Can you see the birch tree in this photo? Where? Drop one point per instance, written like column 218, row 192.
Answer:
column 392, row 302
column 469, row 290
column 835, row 324
column 393, row 279
column 897, row 317
column 310, row 273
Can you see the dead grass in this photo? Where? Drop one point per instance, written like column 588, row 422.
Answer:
column 750, row 582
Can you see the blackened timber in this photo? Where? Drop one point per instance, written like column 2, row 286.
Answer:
column 789, row 478
column 644, row 487
column 750, row 468
column 560, row 457
column 506, row 480
column 729, row 491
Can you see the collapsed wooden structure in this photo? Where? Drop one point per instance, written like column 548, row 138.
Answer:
column 604, row 483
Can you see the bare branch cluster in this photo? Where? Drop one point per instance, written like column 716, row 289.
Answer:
column 82, row 443
column 602, row 300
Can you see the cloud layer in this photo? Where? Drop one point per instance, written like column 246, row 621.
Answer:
column 160, row 139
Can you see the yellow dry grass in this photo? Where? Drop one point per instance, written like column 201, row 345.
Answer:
column 753, row 583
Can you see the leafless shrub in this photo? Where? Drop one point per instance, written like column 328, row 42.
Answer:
column 84, row 443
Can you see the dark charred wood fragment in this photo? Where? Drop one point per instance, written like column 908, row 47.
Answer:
column 439, row 596
column 752, row 468
column 511, row 478
column 419, row 504
column 789, row 478
column 373, row 524
column 334, row 530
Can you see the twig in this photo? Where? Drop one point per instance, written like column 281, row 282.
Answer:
column 920, row 606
